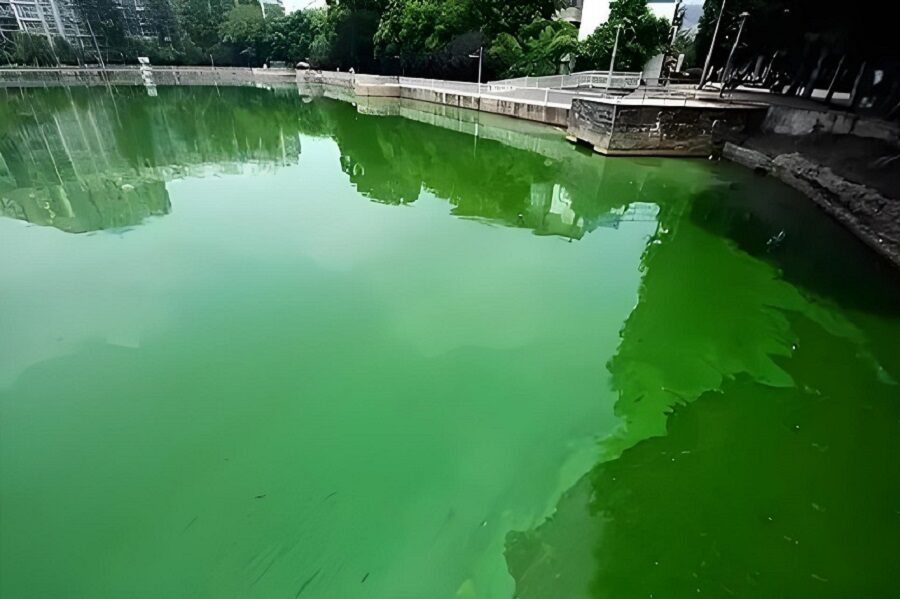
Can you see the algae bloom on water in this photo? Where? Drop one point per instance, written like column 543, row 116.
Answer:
column 256, row 346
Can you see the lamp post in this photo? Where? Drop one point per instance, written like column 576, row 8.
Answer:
column 612, row 60
column 479, row 56
column 712, row 46
column 737, row 40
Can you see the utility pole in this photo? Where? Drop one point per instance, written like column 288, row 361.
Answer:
column 737, row 40
column 712, row 46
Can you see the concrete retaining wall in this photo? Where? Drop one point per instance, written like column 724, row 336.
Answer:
column 390, row 87
column 552, row 115
column 785, row 120
column 132, row 76
column 657, row 128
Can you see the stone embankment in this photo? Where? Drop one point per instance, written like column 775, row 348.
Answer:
column 658, row 126
column 847, row 164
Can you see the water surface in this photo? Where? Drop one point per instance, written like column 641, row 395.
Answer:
column 254, row 344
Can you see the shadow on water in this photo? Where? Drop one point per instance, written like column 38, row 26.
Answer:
column 789, row 232
column 758, row 424
column 754, row 491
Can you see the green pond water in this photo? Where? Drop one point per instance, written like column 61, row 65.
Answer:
column 259, row 344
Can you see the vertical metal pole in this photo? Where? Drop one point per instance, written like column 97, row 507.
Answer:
column 712, row 46
column 837, row 74
column 737, row 40
column 612, row 61
column 480, row 56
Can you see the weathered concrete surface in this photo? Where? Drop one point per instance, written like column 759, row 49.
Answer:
column 549, row 114
column 132, row 76
column 786, row 120
column 869, row 214
column 752, row 159
column 657, row 127
column 381, row 86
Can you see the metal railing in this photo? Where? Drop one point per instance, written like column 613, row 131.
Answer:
column 508, row 90
column 593, row 79
column 540, row 96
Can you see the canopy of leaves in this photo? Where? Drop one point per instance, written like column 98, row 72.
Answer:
column 642, row 35
column 539, row 49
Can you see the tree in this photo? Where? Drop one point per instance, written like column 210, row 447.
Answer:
column 538, row 50
column 32, row 50
column 246, row 30
column 512, row 17
column 290, row 37
column 417, row 31
column 642, row 36
column 349, row 32
column 201, row 19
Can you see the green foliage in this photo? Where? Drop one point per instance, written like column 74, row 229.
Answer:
column 244, row 24
column 32, row 50
column 505, row 53
column 414, row 27
column 290, row 37
column 642, row 35
column 539, row 49
column 201, row 19
column 511, row 17
column 64, row 51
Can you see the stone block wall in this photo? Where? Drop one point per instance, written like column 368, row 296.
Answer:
column 657, row 128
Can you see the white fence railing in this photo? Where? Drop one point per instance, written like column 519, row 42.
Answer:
column 452, row 86
column 529, row 90
column 620, row 80
column 531, row 95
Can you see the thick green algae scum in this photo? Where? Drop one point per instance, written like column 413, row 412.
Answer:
column 254, row 344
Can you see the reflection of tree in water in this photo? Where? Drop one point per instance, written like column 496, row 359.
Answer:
column 757, row 425
column 91, row 142
column 391, row 159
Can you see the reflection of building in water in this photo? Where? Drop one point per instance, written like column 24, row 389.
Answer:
column 82, row 166
column 88, row 205
column 550, row 211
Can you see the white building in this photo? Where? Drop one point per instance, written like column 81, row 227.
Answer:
column 61, row 18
